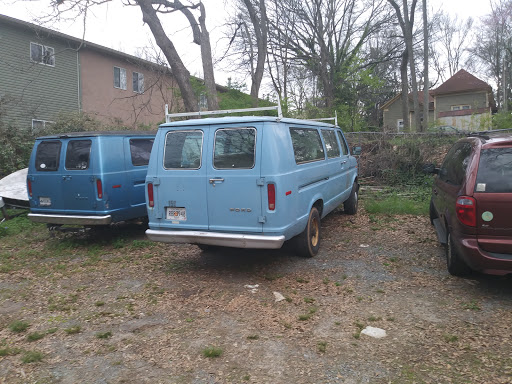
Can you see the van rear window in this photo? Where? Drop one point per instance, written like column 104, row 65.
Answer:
column 48, row 155
column 140, row 150
column 78, row 154
column 307, row 145
column 331, row 144
column 183, row 150
column 234, row 148
column 495, row 171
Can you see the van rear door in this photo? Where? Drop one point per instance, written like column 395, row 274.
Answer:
column 78, row 181
column 235, row 187
column 46, row 177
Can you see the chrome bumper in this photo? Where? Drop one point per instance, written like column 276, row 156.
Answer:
column 70, row 219
column 217, row 238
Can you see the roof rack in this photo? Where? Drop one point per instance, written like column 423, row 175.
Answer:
column 169, row 116
column 482, row 135
column 335, row 118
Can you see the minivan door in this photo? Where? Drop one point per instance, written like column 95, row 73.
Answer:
column 235, row 187
column 79, row 184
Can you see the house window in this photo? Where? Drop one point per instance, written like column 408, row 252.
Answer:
column 138, row 82
column 42, row 54
column 460, row 107
column 119, row 78
column 400, row 125
column 39, row 125
column 203, row 102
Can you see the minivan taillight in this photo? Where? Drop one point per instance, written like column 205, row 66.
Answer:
column 29, row 185
column 466, row 210
column 151, row 200
column 99, row 188
column 271, row 191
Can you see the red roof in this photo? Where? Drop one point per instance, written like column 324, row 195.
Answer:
column 462, row 81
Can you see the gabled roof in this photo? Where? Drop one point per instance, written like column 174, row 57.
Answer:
column 462, row 81
column 420, row 96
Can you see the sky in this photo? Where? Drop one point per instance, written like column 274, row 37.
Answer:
column 121, row 28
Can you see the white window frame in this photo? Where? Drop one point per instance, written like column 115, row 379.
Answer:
column 399, row 125
column 139, row 82
column 203, row 102
column 122, row 78
column 460, row 107
column 46, row 52
column 43, row 126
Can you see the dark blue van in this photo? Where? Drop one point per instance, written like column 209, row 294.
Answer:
column 88, row 178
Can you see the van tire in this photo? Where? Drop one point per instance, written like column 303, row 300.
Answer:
column 456, row 266
column 308, row 242
column 350, row 206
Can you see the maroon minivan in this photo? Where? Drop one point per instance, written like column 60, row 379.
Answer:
column 471, row 205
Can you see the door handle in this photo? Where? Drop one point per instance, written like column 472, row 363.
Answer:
column 213, row 181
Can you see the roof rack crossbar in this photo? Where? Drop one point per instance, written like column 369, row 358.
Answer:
column 169, row 116
column 335, row 118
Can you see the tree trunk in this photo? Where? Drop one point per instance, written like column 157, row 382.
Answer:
column 426, row 81
column 206, row 56
column 179, row 71
column 405, row 90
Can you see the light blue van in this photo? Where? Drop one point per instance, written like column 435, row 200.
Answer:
column 88, row 178
column 247, row 182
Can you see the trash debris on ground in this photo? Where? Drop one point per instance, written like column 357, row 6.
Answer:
column 279, row 297
column 364, row 246
column 253, row 288
column 377, row 333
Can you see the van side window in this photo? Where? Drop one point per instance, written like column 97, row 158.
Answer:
column 48, row 155
column 331, row 144
column 77, row 154
column 307, row 145
column 234, row 148
column 140, row 149
column 455, row 164
column 344, row 148
column 183, row 150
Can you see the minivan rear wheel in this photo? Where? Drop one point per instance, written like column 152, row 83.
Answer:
column 308, row 242
column 350, row 206
column 456, row 266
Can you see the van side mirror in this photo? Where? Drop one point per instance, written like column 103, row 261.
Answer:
column 356, row 151
column 430, row 168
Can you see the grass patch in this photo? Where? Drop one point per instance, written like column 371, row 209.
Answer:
column 104, row 335
column 309, row 300
column 322, row 346
column 212, row 352
column 19, row 326
column 396, row 205
column 450, row 338
column 34, row 336
column 32, row 357
column 73, row 330
column 472, row 306
column 9, row 351
column 253, row 337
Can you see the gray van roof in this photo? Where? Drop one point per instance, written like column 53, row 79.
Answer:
column 97, row 133
column 242, row 119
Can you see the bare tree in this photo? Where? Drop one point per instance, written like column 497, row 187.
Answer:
column 426, row 82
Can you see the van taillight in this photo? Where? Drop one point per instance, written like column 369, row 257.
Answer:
column 151, row 200
column 466, row 210
column 29, row 185
column 99, row 188
column 271, row 190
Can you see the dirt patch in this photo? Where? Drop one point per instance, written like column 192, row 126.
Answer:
column 119, row 309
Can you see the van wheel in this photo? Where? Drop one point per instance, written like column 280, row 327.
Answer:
column 350, row 206
column 308, row 242
column 456, row 266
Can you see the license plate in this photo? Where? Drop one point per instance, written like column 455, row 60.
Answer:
column 45, row 201
column 179, row 214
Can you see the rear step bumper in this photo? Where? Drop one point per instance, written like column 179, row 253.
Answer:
column 70, row 219
column 217, row 238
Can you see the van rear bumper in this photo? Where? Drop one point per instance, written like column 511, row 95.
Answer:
column 70, row 219
column 217, row 238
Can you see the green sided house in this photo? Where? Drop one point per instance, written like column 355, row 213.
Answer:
column 463, row 101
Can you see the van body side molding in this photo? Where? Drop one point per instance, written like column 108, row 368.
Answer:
column 217, row 238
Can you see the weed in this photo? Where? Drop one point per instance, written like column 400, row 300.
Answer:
column 309, row 300
column 288, row 299
column 337, row 283
column 322, row 346
column 212, row 352
column 472, row 305
column 99, row 303
column 104, row 335
column 380, row 291
column 451, row 338
column 287, row 325
column 337, row 323
column 189, row 320
column 35, row 336
column 301, row 280
column 32, row 357
column 326, row 280
column 304, row 317
column 253, row 337
column 374, row 318
column 272, row 277
column 9, row 351
column 359, row 298
column 246, row 378
column 73, row 330
column 19, row 326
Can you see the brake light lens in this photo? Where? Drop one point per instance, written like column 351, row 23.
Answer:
column 466, row 210
column 99, row 188
column 29, row 184
column 151, row 200
column 271, row 191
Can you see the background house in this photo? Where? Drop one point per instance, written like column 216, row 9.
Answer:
column 462, row 101
column 44, row 73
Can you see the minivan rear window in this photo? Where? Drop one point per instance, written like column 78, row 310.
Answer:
column 78, row 154
column 234, row 148
column 140, row 150
column 495, row 171
column 307, row 145
column 48, row 155
column 183, row 149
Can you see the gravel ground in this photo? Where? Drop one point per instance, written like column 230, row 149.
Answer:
column 113, row 307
